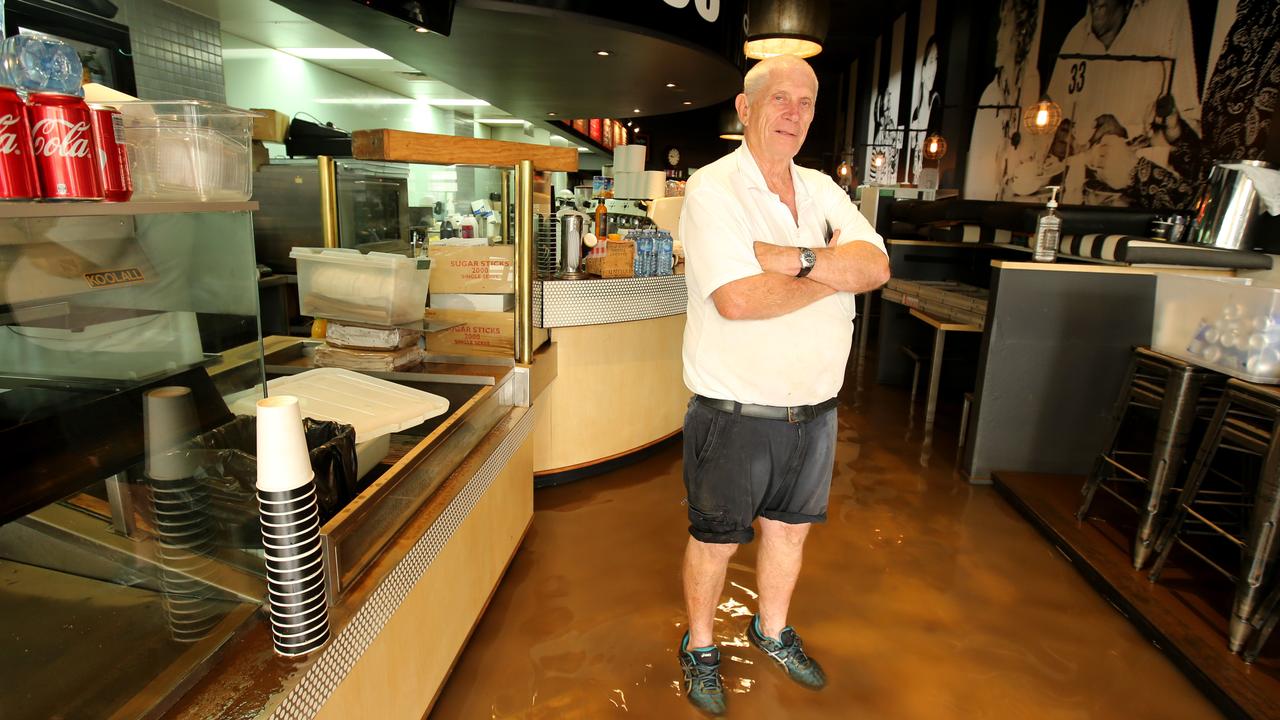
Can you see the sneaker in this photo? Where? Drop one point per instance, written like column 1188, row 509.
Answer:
column 789, row 653
column 702, row 683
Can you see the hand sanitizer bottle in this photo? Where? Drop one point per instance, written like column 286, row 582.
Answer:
column 1048, row 228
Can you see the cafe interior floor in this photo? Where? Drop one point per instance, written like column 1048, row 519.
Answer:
column 922, row 596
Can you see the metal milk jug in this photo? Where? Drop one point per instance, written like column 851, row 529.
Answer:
column 1226, row 209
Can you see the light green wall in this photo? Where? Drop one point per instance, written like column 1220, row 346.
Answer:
column 262, row 77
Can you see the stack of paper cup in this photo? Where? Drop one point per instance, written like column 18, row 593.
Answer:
column 655, row 185
column 628, row 158
column 180, row 509
column 290, row 529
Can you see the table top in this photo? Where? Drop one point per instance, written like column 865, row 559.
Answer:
column 944, row 325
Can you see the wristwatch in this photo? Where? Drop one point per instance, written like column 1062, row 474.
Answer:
column 807, row 260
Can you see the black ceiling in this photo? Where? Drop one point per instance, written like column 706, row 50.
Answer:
column 534, row 57
column 531, row 61
column 855, row 25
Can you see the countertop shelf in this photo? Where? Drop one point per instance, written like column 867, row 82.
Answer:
column 91, row 209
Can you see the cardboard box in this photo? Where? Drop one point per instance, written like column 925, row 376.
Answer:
column 484, row 269
column 273, row 126
column 490, row 334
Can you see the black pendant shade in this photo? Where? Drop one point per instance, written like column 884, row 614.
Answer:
column 786, row 27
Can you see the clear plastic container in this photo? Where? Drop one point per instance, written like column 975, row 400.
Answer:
column 375, row 408
column 1224, row 324
column 378, row 288
column 189, row 150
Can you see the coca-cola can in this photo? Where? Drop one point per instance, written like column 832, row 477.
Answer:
column 113, row 158
column 62, row 141
column 18, row 179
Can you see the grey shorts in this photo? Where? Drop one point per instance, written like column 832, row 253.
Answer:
column 738, row 468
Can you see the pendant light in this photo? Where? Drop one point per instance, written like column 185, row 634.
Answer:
column 786, row 27
column 844, row 171
column 1043, row 117
column 730, row 126
column 935, row 146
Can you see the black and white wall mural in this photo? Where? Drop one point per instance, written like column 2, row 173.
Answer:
column 885, row 132
column 1152, row 93
column 926, row 94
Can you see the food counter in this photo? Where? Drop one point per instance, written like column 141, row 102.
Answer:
column 432, row 579
column 619, row 387
column 131, row 347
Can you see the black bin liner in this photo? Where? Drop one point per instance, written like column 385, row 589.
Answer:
column 228, row 466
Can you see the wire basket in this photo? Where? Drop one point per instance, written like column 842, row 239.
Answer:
column 546, row 243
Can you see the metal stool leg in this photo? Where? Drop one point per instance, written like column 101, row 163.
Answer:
column 1117, row 420
column 1263, row 624
column 1260, row 550
column 1177, row 415
column 964, row 422
column 1199, row 470
column 915, row 384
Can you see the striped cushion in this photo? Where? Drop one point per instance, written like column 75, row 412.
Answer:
column 1138, row 250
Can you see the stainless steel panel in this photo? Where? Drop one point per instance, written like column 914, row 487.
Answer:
column 289, row 213
column 372, row 208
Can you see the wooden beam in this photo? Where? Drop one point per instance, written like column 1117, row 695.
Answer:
column 402, row 146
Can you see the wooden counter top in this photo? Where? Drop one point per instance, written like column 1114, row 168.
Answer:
column 1111, row 269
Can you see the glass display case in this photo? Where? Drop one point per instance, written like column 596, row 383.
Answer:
column 128, row 515
column 126, row 559
column 130, row 546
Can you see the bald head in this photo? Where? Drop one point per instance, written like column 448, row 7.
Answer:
column 758, row 77
column 776, row 107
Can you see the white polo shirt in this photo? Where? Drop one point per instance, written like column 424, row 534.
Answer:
column 795, row 359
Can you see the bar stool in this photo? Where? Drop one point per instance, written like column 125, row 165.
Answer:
column 1247, row 419
column 940, row 329
column 1178, row 392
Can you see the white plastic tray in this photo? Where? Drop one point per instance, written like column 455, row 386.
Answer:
column 373, row 407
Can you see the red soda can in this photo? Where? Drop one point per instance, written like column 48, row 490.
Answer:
column 18, row 179
column 113, row 158
column 62, row 140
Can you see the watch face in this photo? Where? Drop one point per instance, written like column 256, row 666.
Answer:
column 673, row 157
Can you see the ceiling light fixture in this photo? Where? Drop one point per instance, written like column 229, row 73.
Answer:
column 353, row 53
column 635, row 110
column 786, row 27
column 455, row 102
column 687, row 102
column 551, row 114
column 730, row 125
column 603, row 53
column 501, row 121
column 671, row 85
column 369, row 101
column 421, row 30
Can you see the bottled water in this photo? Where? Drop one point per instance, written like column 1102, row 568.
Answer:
column 39, row 63
column 664, row 251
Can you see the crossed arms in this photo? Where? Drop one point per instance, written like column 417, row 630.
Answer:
column 854, row 267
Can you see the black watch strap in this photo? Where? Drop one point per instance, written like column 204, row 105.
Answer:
column 806, row 267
